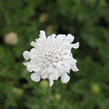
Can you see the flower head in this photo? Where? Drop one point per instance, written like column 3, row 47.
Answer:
column 51, row 57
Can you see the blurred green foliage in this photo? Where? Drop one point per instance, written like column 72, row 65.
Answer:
column 88, row 21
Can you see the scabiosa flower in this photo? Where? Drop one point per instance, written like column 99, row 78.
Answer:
column 51, row 57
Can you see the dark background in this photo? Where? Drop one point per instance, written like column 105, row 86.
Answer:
column 87, row 20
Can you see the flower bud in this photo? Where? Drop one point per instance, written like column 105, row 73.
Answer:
column 11, row 38
column 44, row 83
column 95, row 88
column 43, row 17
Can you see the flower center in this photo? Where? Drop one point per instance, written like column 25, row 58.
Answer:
column 50, row 56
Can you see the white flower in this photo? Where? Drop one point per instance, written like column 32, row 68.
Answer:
column 51, row 57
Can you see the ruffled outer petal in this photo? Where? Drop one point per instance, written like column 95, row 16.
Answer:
column 42, row 34
column 51, row 82
column 52, row 77
column 74, row 68
column 69, row 38
column 76, row 45
column 35, row 77
column 65, row 78
column 26, row 55
column 61, row 36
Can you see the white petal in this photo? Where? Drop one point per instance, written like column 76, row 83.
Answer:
column 35, row 77
column 49, row 37
column 65, row 78
column 61, row 36
column 51, row 82
column 53, row 35
column 53, row 76
column 31, row 67
column 60, row 69
column 33, row 52
column 69, row 38
column 44, row 76
column 76, row 45
column 50, row 69
column 73, row 62
column 42, row 34
column 25, row 63
column 34, row 44
column 74, row 68
column 26, row 55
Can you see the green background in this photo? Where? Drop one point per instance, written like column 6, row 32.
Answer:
column 88, row 21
